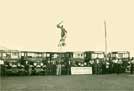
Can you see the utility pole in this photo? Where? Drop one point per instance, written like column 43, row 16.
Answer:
column 105, row 39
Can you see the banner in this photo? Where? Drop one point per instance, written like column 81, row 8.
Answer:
column 1, row 62
column 81, row 70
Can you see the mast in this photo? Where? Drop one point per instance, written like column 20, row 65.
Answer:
column 105, row 38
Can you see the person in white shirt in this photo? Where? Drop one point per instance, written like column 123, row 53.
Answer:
column 58, row 68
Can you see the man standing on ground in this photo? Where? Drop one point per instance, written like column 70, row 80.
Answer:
column 132, row 66
column 58, row 68
column 119, row 63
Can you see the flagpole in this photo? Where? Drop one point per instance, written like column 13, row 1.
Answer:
column 105, row 39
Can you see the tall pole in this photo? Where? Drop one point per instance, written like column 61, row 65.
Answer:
column 105, row 39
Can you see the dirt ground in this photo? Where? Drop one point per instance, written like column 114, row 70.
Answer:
column 111, row 82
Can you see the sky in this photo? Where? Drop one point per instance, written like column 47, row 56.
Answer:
column 31, row 24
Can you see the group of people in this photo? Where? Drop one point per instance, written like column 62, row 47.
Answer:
column 64, row 67
column 36, row 68
column 115, row 66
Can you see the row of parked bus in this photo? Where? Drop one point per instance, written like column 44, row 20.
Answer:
column 15, row 62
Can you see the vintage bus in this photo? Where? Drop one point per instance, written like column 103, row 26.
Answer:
column 122, row 58
column 12, row 65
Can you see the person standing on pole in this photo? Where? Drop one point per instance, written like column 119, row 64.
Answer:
column 63, row 34
column 61, row 45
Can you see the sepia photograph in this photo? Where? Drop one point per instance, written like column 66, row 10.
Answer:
column 66, row 45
